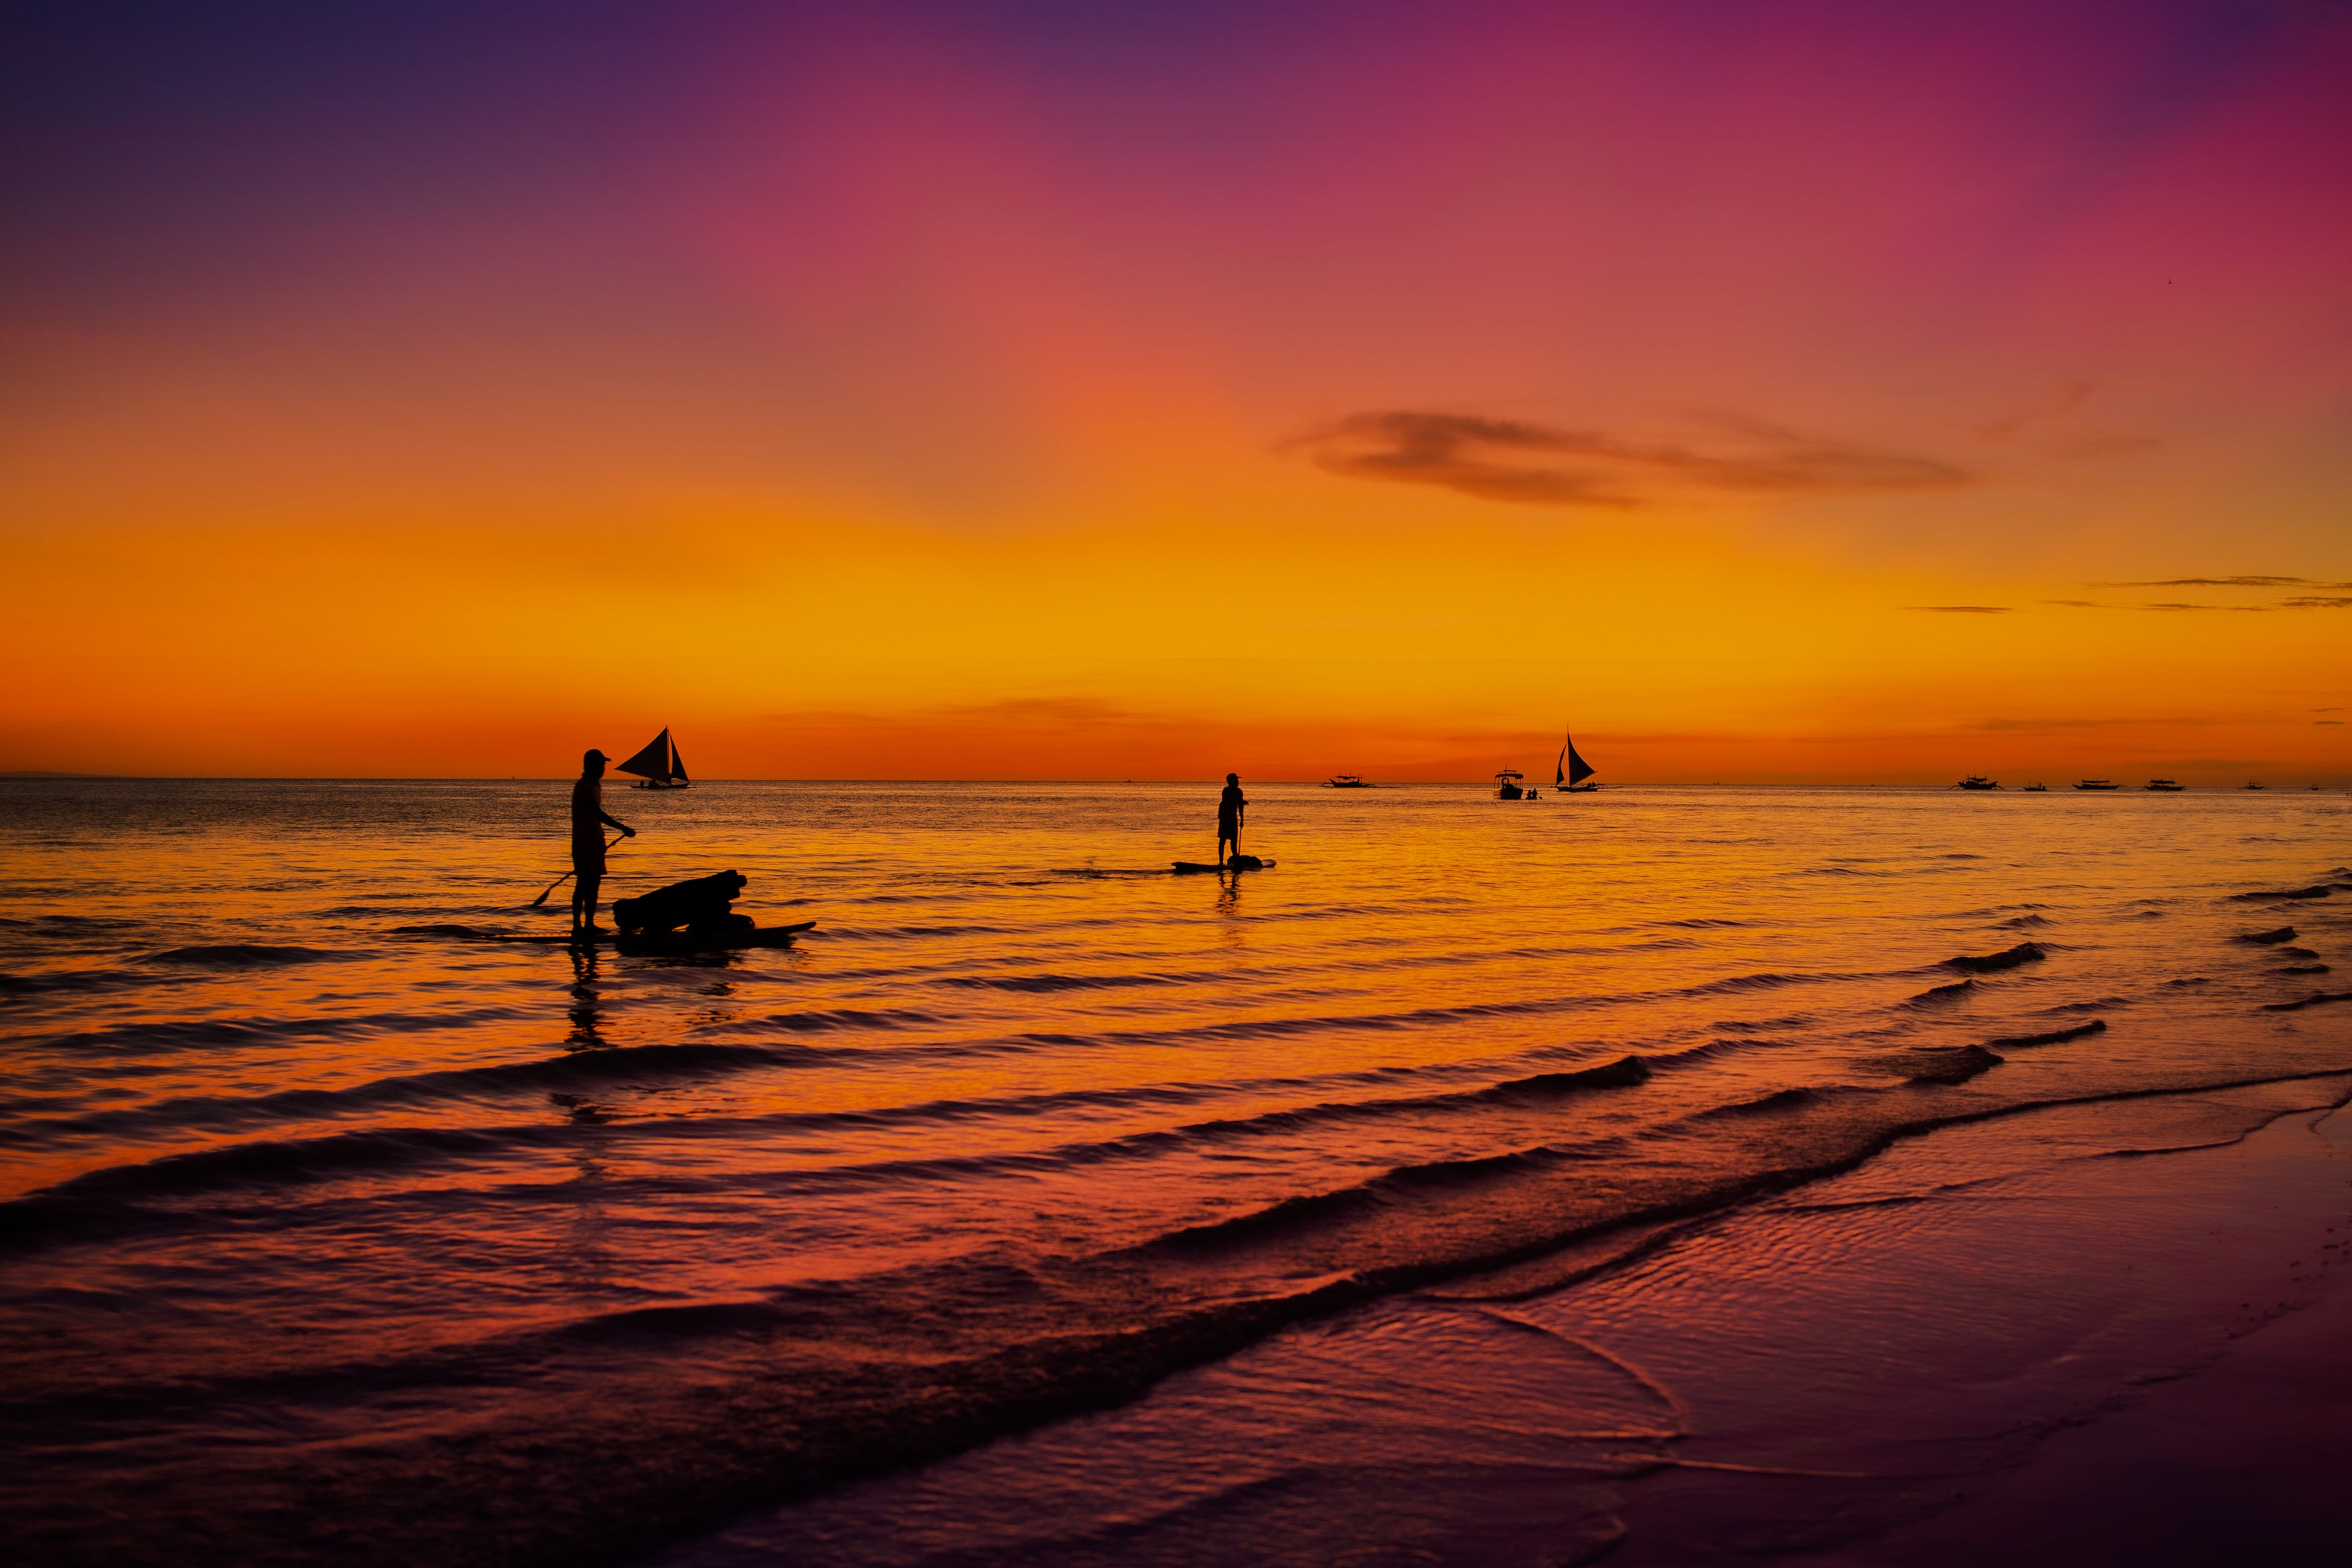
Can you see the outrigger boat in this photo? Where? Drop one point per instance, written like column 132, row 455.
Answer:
column 1976, row 781
column 2098, row 783
column 658, row 764
column 2037, row 787
column 2164, row 787
column 1346, row 780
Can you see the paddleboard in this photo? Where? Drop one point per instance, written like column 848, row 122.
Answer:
column 666, row 941
column 712, row 942
column 1239, row 863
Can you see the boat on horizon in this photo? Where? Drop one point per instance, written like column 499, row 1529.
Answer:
column 2098, row 783
column 1978, row 781
column 658, row 764
column 2037, row 787
column 1507, row 784
column 1346, row 780
column 2251, row 784
column 1570, row 771
column 2164, row 787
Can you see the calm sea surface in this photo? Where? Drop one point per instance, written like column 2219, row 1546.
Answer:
column 323, row 1236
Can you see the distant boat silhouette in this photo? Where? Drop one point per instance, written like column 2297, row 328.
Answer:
column 2037, row 787
column 2098, row 783
column 1346, row 780
column 658, row 764
column 2164, row 787
column 2250, row 785
column 1976, row 781
column 1507, row 784
column 1569, row 772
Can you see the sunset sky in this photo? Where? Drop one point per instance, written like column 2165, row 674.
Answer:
column 1838, row 392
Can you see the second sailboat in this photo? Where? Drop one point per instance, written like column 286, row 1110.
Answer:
column 1569, row 773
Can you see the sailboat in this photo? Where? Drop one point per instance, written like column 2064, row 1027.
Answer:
column 658, row 764
column 1570, row 771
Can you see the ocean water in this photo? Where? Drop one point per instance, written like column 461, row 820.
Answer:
column 331, row 1232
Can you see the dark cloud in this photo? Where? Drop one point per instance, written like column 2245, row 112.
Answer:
column 2256, row 609
column 2223, row 582
column 1960, row 609
column 2319, row 721
column 2317, row 604
column 1537, row 465
column 2076, row 603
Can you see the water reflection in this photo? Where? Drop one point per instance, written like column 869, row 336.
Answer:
column 587, row 1002
column 587, row 1262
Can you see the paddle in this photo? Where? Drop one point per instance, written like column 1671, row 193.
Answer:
column 569, row 875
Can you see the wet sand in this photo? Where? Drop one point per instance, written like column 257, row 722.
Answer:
column 2106, row 1333
column 2243, row 1461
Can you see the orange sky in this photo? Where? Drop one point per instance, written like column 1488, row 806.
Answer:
column 973, row 401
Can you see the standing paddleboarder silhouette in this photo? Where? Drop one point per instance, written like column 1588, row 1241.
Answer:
column 589, row 821
column 1230, row 807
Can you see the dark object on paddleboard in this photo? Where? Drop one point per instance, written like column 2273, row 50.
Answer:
column 1233, row 863
column 704, row 904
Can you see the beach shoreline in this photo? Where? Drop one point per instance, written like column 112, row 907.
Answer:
column 1825, row 1377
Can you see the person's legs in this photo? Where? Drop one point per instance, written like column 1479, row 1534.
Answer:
column 584, row 900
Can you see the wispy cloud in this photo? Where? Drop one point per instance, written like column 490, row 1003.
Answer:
column 1538, row 465
column 2042, row 425
column 2257, row 609
column 2078, row 604
column 1961, row 609
column 2330, row 603
column 2035, row 726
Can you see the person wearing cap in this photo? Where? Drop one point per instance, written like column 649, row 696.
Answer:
column 588, row 823
column 1230, row 807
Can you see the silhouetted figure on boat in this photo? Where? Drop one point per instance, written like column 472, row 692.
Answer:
column 1230, row 807
column 589, row 820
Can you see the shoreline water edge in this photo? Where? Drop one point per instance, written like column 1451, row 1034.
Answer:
column 1679, row 1174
